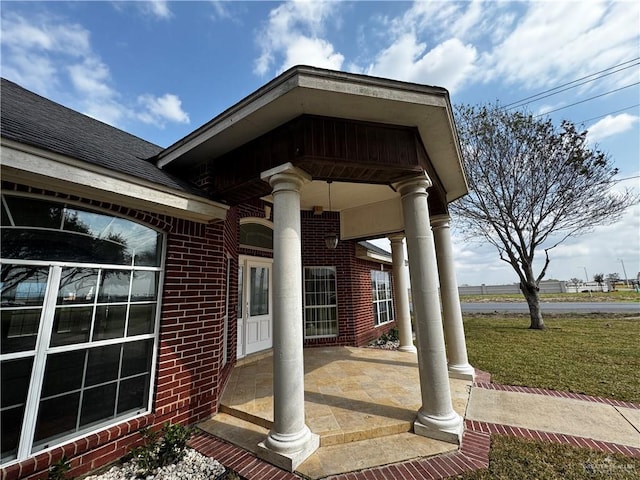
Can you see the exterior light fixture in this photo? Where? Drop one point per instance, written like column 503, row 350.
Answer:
column 331, row 238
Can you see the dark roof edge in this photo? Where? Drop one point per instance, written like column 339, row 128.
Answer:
column 75, row 112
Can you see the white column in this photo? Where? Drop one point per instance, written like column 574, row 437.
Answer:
column 453, row 327
column 290, row 441
column 403, row 315
column 436, row 417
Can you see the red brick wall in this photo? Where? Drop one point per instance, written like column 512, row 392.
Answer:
column 355, row 300
column 189, row 372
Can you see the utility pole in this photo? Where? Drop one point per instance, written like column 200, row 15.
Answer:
column 586, row 275
column 626, row 280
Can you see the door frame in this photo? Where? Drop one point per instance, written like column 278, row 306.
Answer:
column 245, row 262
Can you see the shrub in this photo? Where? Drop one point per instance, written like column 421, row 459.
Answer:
column 160, row 450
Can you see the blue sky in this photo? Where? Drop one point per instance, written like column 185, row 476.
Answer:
column 161, row 69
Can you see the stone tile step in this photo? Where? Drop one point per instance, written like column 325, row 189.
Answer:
column 330, row 433
column 234, row 430
column 332, row 459
column 369, row 453
column 246, row 416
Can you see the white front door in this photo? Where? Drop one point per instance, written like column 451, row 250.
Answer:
column 255, row 318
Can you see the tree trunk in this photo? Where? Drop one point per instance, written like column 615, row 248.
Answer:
column 530, row 291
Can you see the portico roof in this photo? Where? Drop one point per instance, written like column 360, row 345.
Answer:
column 304, row 90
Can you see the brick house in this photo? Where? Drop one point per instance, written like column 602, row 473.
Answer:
column 134, row 276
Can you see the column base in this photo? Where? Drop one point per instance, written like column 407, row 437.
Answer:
column 462, row 372
column 288, row 451
column 408, row 348
column 447, row 429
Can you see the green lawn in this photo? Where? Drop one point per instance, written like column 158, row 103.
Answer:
column 593, row 354
column 515, row 458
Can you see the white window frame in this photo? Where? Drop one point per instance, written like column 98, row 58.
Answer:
column 334, row 306
column 388, row 297
column 42, row 350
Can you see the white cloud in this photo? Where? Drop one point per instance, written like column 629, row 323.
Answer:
column 155, row 8
column 293, row 35
column 448, row 64
column 312, row 51
column 158, row 110
column 50, row 56
column 33, row 46
column 221, row 9
column 611, row 125
column 545, row 48
column 44, row 34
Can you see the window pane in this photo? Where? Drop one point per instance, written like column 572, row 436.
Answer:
column 141, row 319
column 114, row 286
column 23, row 286
column 57, row 416
column 15, row 375
column 11, row 419
column 103, row 365
column 34, row 213
column 71, row 325
column 69, row 234
column 133, row 394
column 109, row 323
column 63, row 373
column 256, row 235
column 136, row 358
column 144, row 286
column 259, row 300
column 77, row 286
column 98, row 404
column 19, row 329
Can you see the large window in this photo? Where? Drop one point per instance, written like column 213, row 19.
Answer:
column 78, row 313
column 320, row 304
column 382, row 299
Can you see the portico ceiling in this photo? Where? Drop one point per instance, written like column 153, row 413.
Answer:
column 306, row 90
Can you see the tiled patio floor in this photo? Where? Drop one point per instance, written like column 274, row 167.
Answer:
column 361, row 401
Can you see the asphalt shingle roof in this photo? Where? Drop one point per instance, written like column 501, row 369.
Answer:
column 28, row 118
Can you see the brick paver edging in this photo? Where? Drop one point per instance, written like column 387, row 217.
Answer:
column 472, row 455
column 244, row 463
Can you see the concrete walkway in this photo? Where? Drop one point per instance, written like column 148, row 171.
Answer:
column 366, row 429
column 579, row 418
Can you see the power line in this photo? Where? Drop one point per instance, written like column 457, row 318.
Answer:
column 540, row 96
column 586, row 100
column 609, row 113
column 574, row 81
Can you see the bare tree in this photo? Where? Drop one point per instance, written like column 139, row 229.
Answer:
column 532, row 186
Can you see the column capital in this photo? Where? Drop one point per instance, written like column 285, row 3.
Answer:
column 416, row 184
column 285, row 177
column 440, row 221
column 396, row 237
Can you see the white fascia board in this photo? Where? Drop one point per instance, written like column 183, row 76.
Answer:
column 227, row 119
column 25, row 164
column 374, row 257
